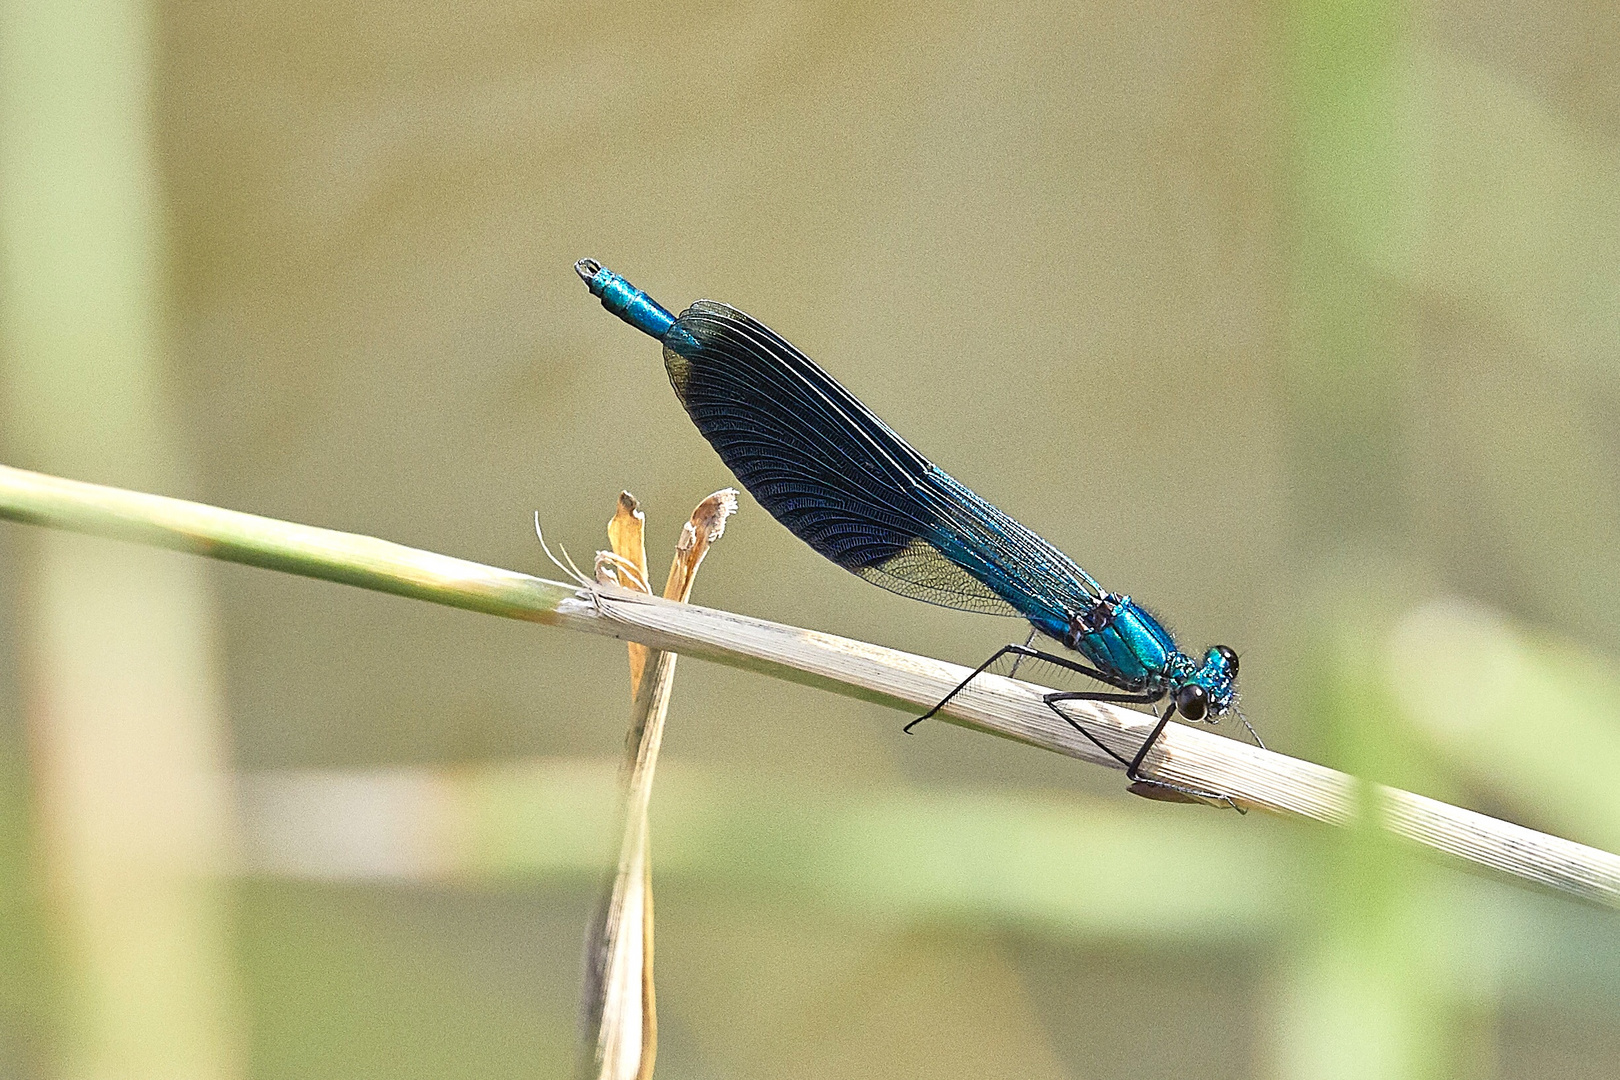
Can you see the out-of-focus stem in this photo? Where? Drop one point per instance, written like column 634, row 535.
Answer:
column 127, row 758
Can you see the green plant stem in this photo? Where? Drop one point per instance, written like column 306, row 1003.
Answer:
column 37, row 499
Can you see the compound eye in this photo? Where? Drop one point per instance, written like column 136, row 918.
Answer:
column 1192, row 701
column 1229, row 656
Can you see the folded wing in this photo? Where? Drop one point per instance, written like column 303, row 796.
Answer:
column 846, row 484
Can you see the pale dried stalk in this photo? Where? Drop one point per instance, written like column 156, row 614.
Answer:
column 623, row 1005
column 1254, row 778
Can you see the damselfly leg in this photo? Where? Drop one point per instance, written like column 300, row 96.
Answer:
column 1117, row 699
column 1253, row 734
column 1133, row 767
column 1022, row 652
column 1012, row 672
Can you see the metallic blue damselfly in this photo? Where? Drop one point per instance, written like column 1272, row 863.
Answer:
column 846, row 484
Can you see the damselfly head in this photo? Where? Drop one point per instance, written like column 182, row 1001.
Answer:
column 1211, row 691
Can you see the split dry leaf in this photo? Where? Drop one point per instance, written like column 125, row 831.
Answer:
column 626, row 565
column 621, row 1027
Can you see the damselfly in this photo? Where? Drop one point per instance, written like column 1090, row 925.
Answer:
column 846, row 484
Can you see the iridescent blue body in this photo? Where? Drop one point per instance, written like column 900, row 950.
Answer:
column 844, row 482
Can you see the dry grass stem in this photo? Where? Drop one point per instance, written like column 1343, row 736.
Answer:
column 1257, row 779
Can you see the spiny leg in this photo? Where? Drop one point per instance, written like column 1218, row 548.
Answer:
column 1079, row 695
column 1022, row 652
column 1253, row 734
column 1133, row 767
column 1029, row 642
column 1131, row 770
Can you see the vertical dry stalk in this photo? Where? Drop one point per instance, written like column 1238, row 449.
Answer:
column 621, row 1015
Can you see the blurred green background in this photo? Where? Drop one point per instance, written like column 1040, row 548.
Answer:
column 1298, row 322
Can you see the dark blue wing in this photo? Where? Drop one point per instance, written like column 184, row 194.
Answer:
column 846, row 484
